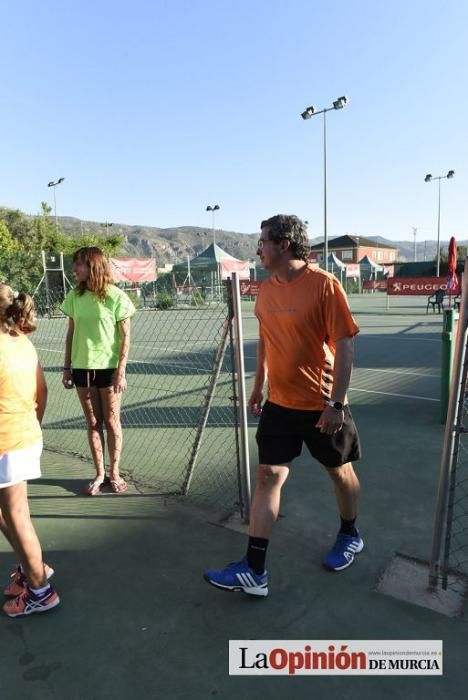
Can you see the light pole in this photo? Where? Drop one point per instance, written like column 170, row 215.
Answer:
column 107, row 225
column 414, row 234
column 54, row 183
column 429, row 178
column 212, row 208
column 309, row 112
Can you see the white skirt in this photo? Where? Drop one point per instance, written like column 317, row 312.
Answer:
column 21, row 465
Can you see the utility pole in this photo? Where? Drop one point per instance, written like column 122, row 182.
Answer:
column 414, row 234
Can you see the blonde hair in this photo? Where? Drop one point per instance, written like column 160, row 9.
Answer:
column 16, row 311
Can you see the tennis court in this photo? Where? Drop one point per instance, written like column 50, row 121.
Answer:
column 173, row 353
column 172, row 359
column 163, row 632
column 397, row 352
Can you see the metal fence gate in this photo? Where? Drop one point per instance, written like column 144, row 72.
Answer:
column 449, row 560
column 180, row 414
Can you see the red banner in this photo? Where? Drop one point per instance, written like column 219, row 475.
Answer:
column 240, row 266
column 419, row 286
column 374, row 284
column 133, row 269
column 249, row 289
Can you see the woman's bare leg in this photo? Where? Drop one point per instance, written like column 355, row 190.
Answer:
column 15, row 510
column 91, row 404
column 110, row 402
column 4, row 530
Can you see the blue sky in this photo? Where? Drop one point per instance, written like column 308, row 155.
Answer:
column 152, row 110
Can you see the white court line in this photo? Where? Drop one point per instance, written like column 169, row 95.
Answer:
column 369, row 391
column 398, row 337
column 400, row 396
column 372, row 369
column 395, row 371
column 171, row 344
column 149, row 362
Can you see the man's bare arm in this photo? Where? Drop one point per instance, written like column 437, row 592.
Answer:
column 331, row 420
column 342, row 368
column 261, row 374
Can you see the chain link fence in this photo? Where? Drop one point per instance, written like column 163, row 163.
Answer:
column 456, row 532
column 449, row 561
column 179, row 414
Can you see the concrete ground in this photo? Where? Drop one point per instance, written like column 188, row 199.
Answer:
column 137, row 619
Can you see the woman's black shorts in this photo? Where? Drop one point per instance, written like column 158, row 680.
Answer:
column 281, row 432
column 100, row 378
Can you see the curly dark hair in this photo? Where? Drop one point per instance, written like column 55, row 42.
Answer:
column 291, row 228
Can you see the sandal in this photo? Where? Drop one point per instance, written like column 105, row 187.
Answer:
column 118, row 485
column 93, row 488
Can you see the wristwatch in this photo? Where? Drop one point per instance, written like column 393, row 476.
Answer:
column 337, row 405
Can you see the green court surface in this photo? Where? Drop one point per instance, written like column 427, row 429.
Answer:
column 138, row 620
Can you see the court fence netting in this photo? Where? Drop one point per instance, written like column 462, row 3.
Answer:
column 449, row 559
column 180, row 414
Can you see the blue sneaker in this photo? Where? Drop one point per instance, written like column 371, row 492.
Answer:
column 238, row 576
column 341, row 555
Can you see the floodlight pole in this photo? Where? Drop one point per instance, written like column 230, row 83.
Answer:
column 438, row 234
column 212, row 208
column 429, row 178
column 54, row 183
column 325, row 226
column 307, row 114
column 55, row 209
column 107, row 225
column 414, row 234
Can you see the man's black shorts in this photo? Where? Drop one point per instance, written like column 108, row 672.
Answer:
column 281, row 432
column 100, row 378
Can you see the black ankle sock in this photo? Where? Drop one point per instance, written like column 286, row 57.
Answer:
column 256, row 554
column 348, row 527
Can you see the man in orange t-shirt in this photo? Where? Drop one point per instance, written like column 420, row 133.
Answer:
column 305, row 353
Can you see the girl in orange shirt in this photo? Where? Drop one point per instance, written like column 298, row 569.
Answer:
column 23, row 396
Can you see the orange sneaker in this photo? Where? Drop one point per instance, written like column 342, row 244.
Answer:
column 19, row 582
column 27, row 603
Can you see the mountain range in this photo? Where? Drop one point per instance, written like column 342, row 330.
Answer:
column 170, row 245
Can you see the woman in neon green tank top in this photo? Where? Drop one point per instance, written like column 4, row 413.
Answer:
column 96, row 353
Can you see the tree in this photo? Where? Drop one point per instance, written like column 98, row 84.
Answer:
column 7, row 242
column 19, row 226
column 22, row 240
column 48, row 236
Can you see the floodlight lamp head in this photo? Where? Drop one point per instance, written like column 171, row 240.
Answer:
column 428, row 177
column 208, row 208
column 61, row 179
column 340, row 102
column 450, row 174
column 51, row 183
column 308, row 112
column 216, row 207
